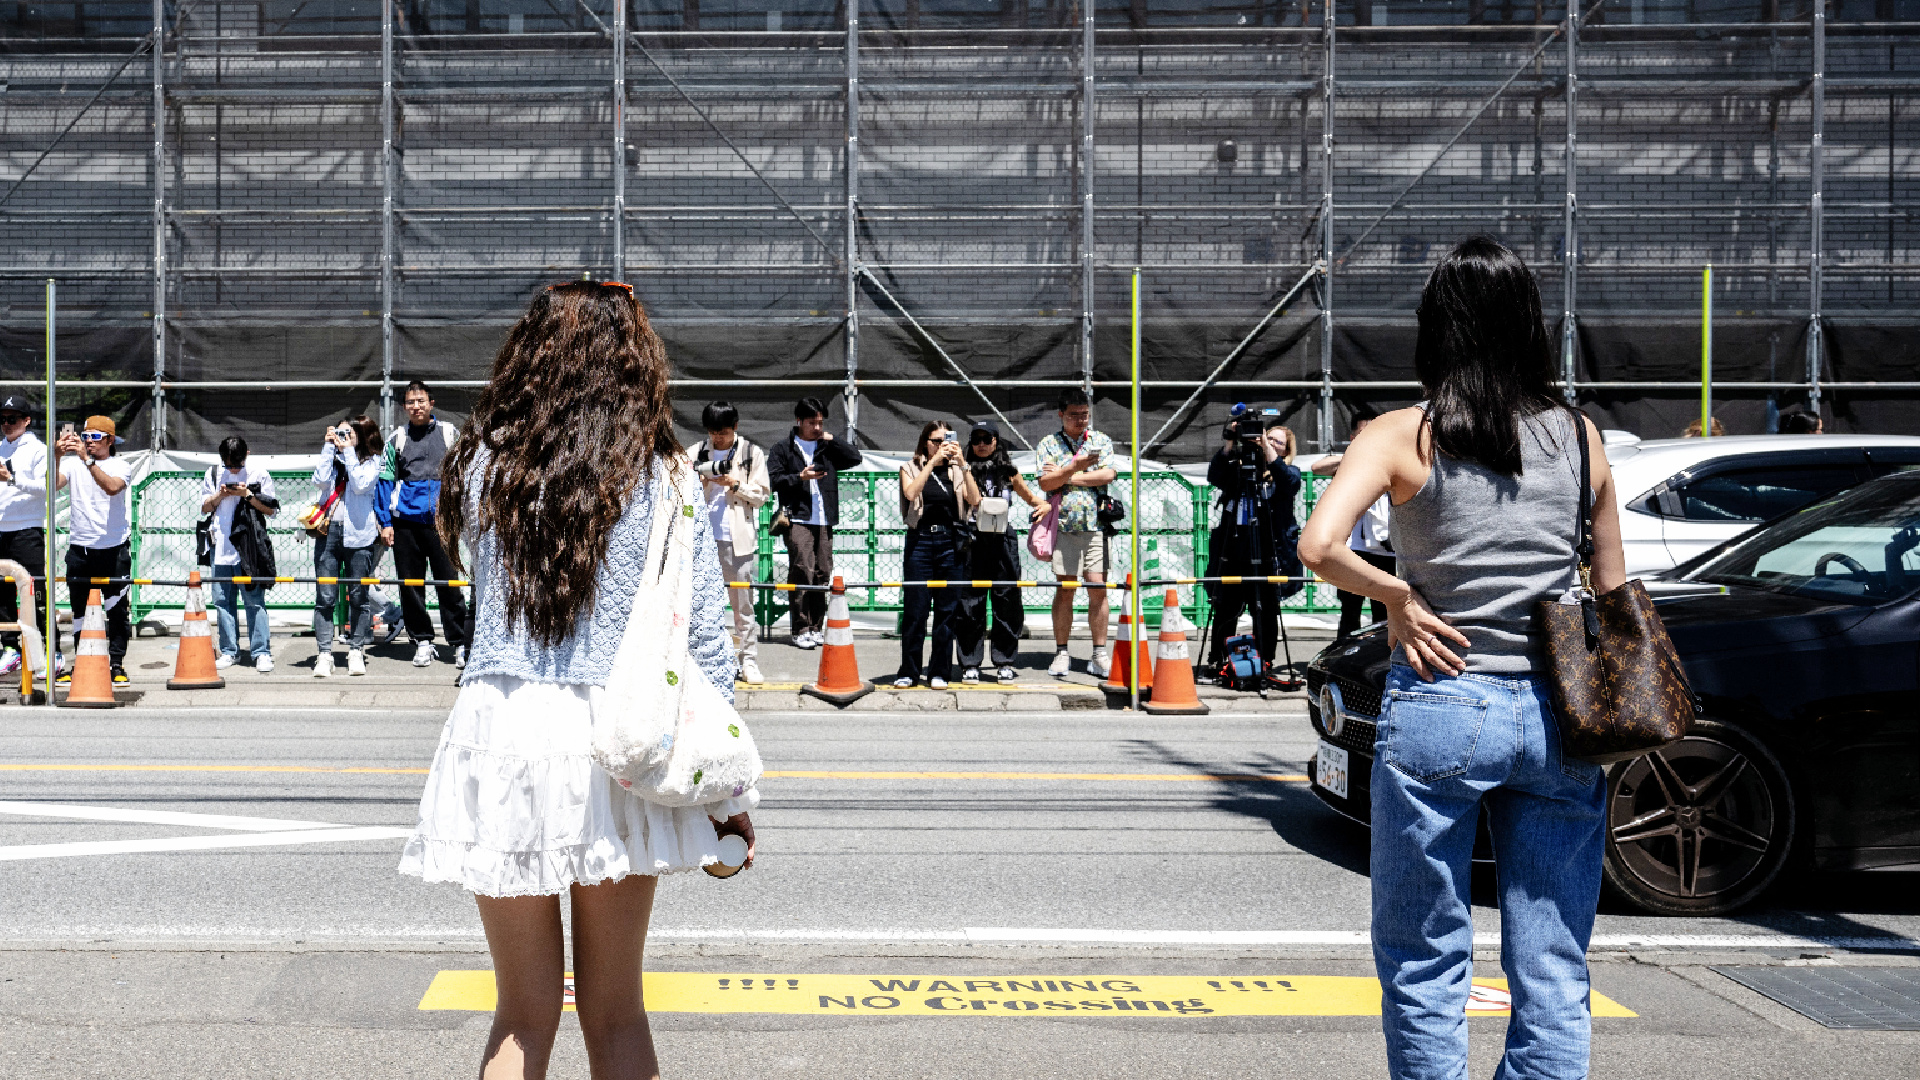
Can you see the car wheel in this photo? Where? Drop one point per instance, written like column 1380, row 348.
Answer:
column 1700, row 827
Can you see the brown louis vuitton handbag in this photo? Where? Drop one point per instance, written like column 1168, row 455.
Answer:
column 1618, row 688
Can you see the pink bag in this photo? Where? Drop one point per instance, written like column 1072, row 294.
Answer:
column 1044, row 533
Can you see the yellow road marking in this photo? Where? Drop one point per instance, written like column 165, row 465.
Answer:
column 1161, row 996
column 806, row 774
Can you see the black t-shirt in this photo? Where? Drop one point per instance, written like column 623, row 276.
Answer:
column 994, row 480
column 936, row 499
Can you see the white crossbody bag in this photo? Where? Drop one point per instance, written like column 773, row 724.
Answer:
column 659, row 726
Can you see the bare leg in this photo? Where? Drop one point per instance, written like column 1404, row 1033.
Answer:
column 1063, row 615
column 609, row 938
column 529, row 966
column 1097, row 612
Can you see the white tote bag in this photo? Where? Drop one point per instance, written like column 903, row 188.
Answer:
column 659, row 726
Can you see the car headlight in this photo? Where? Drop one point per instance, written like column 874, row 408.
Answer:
column 1333, row 714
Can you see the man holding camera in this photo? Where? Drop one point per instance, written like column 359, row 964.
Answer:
column 23, row 513
column 1257, row 535
column 804, row 471
column 733, row 476
column 1074, row 462
column 101, row 528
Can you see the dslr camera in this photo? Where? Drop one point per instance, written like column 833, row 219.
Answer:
column 711, row 467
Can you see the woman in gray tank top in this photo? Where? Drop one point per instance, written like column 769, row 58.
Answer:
column 1483, row 480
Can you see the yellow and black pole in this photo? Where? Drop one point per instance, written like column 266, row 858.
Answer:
column 53, row 477
column 1133, row 514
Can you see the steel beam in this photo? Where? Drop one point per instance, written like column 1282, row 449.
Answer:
column 619, row 139
column 850, row 240
column 159, row 418
column 1326, row 230
column 1570, row 237
column 386, row 214
column 1086, row 194
column 1817, row 169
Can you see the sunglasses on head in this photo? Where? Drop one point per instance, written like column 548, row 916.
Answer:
column 94, row 436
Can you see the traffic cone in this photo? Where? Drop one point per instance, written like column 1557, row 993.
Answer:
column 1128, row 652
column 193, row 669
column 92, row 684
column 839, row 679
column 1174, row 693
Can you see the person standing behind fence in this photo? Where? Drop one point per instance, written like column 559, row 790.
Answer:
column 416, row 450
column 23, row 514
column 1074, row 461
column 995, row 557
column 228, row 492
column 350, row 465
column 733, row 475
column 804, row 469
column 937, row 496
column 100, row 531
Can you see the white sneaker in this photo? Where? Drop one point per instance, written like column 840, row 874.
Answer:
column 424, row 654
column 356, row 662
column 1007, row 674
column 221, row 662
column 937, row 683
column 1097, row 667
column 971, row 675
column 460, row 657
column 1062, row 663
column 750, row 672
column 263, row 663
column 323, row 665
column 805, row 641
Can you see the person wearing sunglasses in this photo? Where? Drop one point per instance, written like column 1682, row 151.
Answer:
column 23, row 513
column 101, row 528
column 995, row 557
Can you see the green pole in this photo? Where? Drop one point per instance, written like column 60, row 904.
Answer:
column 1133, row 594
column 1706, row 352
column 53, row 475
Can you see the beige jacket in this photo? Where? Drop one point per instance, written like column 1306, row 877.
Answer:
column 911, row 509
column 743, row 502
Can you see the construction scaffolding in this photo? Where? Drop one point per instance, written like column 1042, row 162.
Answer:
column 931, row 207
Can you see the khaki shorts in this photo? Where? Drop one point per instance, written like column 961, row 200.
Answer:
column 1078, row 554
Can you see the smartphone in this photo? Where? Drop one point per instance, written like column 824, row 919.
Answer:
column 952, row 437
column 66, row 430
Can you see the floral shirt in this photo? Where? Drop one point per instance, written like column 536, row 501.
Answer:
column 1079, row 509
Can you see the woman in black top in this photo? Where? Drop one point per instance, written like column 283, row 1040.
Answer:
column 995, row 557
column 937, row 494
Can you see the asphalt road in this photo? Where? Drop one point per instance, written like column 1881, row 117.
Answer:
column 254, row 939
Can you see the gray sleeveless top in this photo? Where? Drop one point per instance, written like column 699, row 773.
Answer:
column 1483, row 548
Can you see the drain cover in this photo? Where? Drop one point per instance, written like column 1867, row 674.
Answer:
column 1863, row 999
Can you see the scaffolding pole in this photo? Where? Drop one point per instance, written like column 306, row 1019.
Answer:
column 1326, row 232
column 159, row 418
column 1569, row 240
column 1817, row 167
column 850, row 253
column 1086, row 194
column 619, row 140
column 386, row 214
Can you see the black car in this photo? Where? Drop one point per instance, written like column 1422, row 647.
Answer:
column 1802, row 639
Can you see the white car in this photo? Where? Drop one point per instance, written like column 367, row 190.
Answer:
column 1679, row 497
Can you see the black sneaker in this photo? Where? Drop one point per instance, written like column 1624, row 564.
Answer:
column 120, row 676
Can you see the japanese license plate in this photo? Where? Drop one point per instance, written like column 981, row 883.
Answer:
column 1330, row 769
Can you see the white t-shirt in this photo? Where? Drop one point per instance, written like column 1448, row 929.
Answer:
column 1370, row 532
column 717, row 497
column 809, row 447
column 23, row 502
column 224, row 553
column 99, row 520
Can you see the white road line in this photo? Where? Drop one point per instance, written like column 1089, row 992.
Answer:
column 202, row 843
column 81, row 812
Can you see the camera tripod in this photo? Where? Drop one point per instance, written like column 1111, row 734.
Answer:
column 1254, row 541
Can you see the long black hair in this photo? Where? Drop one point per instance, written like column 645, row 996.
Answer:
column 1483, row 354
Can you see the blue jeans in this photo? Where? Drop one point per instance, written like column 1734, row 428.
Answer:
column 1444, row 750
column 226, row 596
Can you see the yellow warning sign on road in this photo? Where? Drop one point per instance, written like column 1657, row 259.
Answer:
column 1165, row 996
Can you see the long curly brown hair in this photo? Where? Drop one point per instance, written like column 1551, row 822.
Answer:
column 572, row 418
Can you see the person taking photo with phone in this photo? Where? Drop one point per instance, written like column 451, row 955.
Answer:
column 937, row 497
column 227, row 490
column 23, row 515
column 1074, row 462
column 349, row 466
column 996, row 557
column 100, row 532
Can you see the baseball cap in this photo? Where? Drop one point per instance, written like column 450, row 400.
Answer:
column 987, row 426
column 16, row 403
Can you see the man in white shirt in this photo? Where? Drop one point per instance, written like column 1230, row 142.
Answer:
column 100, row 528
column 733, row 475
column 23, row 513
column 1370, row 540
column 223, row 491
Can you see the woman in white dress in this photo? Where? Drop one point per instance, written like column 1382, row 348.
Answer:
column 553, row 487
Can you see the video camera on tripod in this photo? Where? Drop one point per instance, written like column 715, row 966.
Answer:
column 1250, row 554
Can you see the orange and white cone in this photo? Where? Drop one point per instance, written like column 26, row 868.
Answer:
column 839, row 680
column 1128, row 652
column 1174, row 693
column 92, row 683
column 193, row 669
